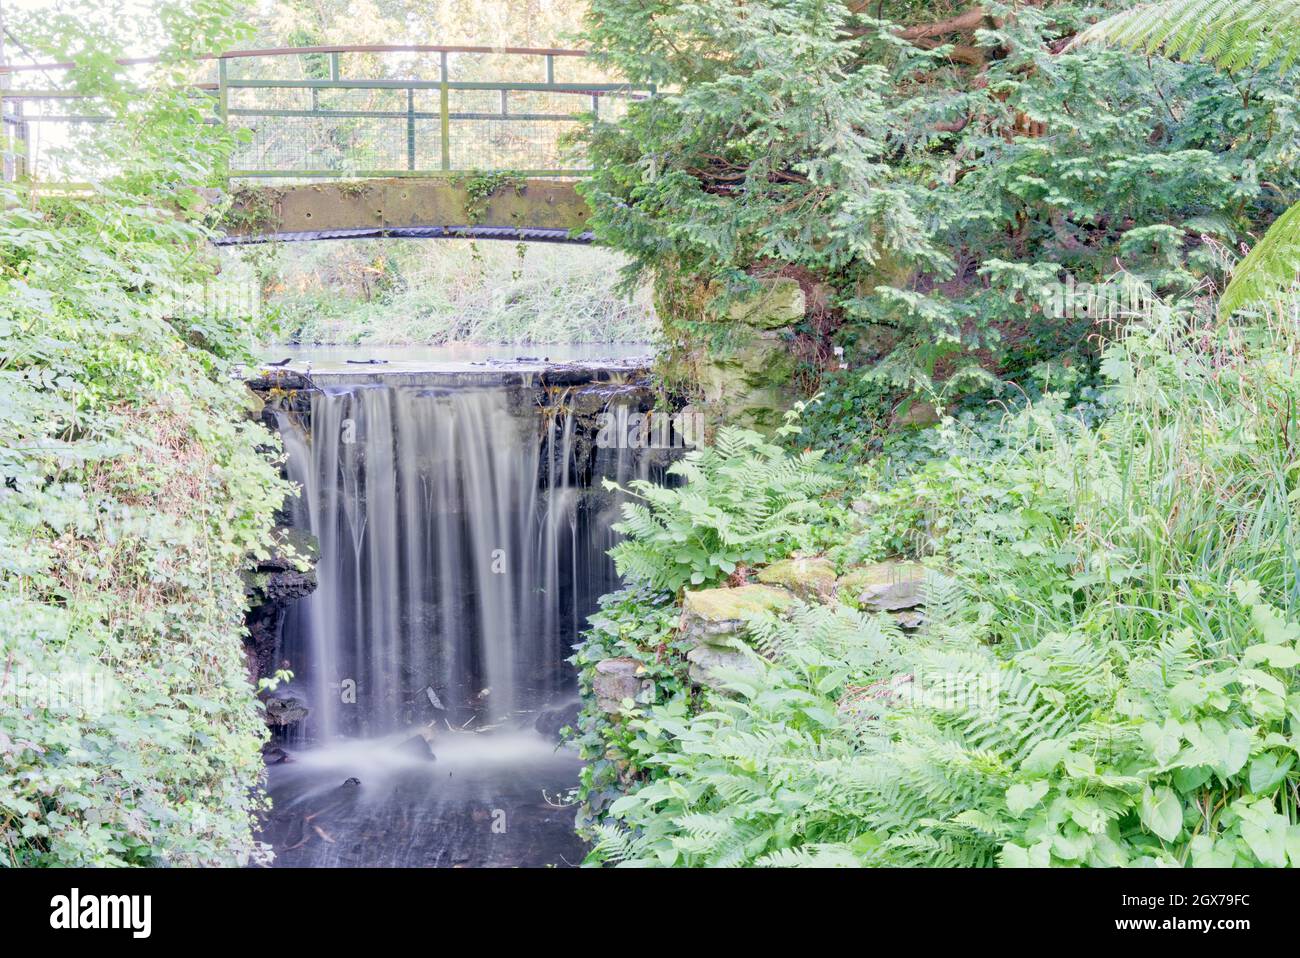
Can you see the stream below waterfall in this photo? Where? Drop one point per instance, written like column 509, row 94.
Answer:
column 462, row 531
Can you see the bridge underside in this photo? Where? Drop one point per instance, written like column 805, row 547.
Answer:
column 464, row 207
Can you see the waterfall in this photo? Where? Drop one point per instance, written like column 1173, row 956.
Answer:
column 460, row 551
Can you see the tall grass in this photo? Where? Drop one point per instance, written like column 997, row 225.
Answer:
column 397, row 292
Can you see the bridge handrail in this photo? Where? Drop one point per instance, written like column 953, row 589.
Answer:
column 324, row 133
column 335, row 48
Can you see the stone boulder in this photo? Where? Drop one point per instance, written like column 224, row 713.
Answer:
column 550, row 722
column 285, row 711
column 910, row 618
column 711, row 665
column 890, row 586
column 809, row 579
column 750, row 383
column 717, row 617
column 614, row 681
column 419, row 745
column 780, row 302
column 918, row 412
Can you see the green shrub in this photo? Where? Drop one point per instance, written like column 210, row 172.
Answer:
column 742, row 501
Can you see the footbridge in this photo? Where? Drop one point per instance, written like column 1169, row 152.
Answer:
column 369, row 141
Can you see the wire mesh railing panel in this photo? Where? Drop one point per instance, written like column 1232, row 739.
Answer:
column 58, row 140
column 349, row 145
column 543, row 103
column 261, row 100
column 508, row 145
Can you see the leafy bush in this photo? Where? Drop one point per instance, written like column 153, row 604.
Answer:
column 1109, row 676
column 1232, row 36
column 929, row 172
column 137, row 487
column 639, row 624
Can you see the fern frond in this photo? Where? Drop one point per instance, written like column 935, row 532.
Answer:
column 811, row 856
column 1269, row 269
column 1232, row 34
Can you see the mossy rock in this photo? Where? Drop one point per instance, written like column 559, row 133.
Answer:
column 888, row 586
column 718, row 616
column 750, row 382
column 918, row 412
column 714, row 668
column 614, row 681
column 812, row 578
column 779, row 303
column 754, row 360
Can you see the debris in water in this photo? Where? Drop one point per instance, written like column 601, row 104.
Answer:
column 352, row 782
column 434, row 700
column 418, row 746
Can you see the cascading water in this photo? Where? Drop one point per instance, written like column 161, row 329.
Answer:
column 462, row 538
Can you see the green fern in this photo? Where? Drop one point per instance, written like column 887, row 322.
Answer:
column 1232, row 34
column 1269, row 268
column 744, row 501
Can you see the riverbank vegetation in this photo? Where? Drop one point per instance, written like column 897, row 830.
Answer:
column 1053, row 618
column 1105, row 674
column 136, row 486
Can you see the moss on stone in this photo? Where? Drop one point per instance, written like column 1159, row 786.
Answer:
column 726, row 605
column 780, row 302
column 812, row 578
column 718, row 616
column 882, row 586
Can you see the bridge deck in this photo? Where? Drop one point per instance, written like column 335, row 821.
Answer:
column 538, row 210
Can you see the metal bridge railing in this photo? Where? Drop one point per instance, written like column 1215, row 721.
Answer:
column 360, row 111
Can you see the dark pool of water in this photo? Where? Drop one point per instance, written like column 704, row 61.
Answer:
column 491, row 799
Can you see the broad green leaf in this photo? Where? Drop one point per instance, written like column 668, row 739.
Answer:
column 1161, row 812
column 1021, row 798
